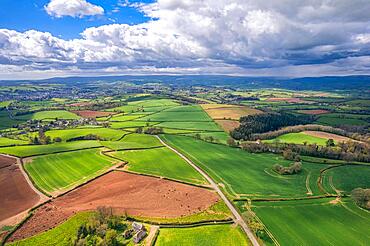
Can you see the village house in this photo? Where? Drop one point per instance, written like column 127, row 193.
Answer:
column 140, row 231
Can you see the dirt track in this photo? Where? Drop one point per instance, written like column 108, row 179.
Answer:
column 16, row 195
column 134, row 194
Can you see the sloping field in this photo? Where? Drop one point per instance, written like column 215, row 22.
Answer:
column 228, row 125
column 333, row 120
column 224, row 111
column 58, row 172
column 16, row 195
column 219, row 137
column 133, row 141
column 326, row 135
column 313, row 111
column 8, row 142
column 298, row 138
column 346, row 178
column 161, row 162
column 203, row 126
column 31, row 150
column 134, row 194
column 244, row 174
column 91, row 113
column 154, row 103
column 52, row 114
column 212, row 235
column 104, row 133
column 125, row 117
column 130, row 124
column 315, row 222
column 174, row 116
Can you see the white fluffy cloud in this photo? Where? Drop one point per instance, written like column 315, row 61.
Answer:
column 192, row 36
column 74, row 8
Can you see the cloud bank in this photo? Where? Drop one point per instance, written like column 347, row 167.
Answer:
column 251, row 37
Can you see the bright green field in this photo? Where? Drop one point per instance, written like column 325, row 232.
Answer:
column 52, row 114
column 220, row 137
column 60, row 171
column 298, row 138
column 31, row 150
column 206, row 126
column 244, row 174
column 130, row 124
column 105, row 133
column 8, row 142
column 315, row 222
column 125, row 117
column 347, row 178
column 161, row 162
column 154, row 103
column 61, row 235
column 211, row 235
column 195, row 115
column 335, row 121
column 133, row 141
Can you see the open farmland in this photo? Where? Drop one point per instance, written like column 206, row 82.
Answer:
column 298, row 138
column 225, row 111
column 32, row 150
column 49, row 115
column 173, row 116
column 91, row 113
column 315, row 220
column 161, row 162
column 16, row 195
column 133, row 194
column 211, row 235
column 103, row 133
column 133, row 141
column 233, row 168
column 11, row 142
column 56, row 172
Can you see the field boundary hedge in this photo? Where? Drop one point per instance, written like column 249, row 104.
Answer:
column 182, row 225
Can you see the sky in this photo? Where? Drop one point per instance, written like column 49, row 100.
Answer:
column 294, row 38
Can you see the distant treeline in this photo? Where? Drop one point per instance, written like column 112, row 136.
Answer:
column 260, row 123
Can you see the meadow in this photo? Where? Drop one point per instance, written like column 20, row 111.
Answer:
column 315, row 220
column 173, row 116
column 202, row 126
column 60, row 171
column 202, row 235
column 133, row 141
column 298, row 138
column 104, row 133
column 52, row 114
column 32, row 150
column 130, row 124
column 161, row 162
column 244, row 174
column 337, row 121
column 9, row 142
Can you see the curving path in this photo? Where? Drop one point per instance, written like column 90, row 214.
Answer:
column 237, row 217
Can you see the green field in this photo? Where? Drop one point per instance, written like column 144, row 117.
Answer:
column 181, row 113
column 60, row 171
column 126, row 117
column 298, row 138
column 337, row 121
column 154, row 103
column 9, row 142
column 204, row 126
column 244, row 174
column 6, row 122
column 104, row 133
column 346, row 178
column 219, row 137
column 31, row 150
column 130, row 124
column 62, row 235
column 315, row 222
column 203, row 235
column 160, row 162
column 133, row 141
column 52, row 114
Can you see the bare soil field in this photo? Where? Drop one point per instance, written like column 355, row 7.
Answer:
column 91, row 113
column 16, row 195
column 228, row 125
column 224, row 111
column 327, row 135
column 133, row 194
column 314, row 111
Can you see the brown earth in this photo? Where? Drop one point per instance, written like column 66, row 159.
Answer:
column 133, row 194
column 228, row 125
column 226, row 111
column 314, row 111
column 16, row 195
column 91, row 113
column 327, row 135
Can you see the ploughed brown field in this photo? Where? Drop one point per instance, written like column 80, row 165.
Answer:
column 226, row 111
column 91, row 113
column 133, row 194
column 16, row 195
column 314, row 111
column 228, row 125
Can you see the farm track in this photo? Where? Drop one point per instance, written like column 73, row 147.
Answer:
column 238, row 218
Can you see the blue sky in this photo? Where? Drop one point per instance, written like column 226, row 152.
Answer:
column 23, row 15
column 47, row 38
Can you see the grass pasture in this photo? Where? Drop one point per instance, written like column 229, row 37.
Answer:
column 337, row 120
column 160, row 162
column 315, row 222
column 60, row 171
column 211, row 235
column 9, row 142
column 52, row 114
column 298, row 138
column 201, row 126
column 104, row 133
column 32, row 150
column 173, row 116
column 130, row 124
column 133, row 141
column 244, row 174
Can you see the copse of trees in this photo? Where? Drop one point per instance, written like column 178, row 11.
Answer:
column 154, row 130
column 294, row 168
column 261, row 123
column 361, row 197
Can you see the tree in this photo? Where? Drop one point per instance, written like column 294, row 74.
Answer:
column 231, row 142
column 57, row 140
column 139, row 129
column 330, row 143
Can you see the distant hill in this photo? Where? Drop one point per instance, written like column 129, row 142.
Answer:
column 358, row 82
